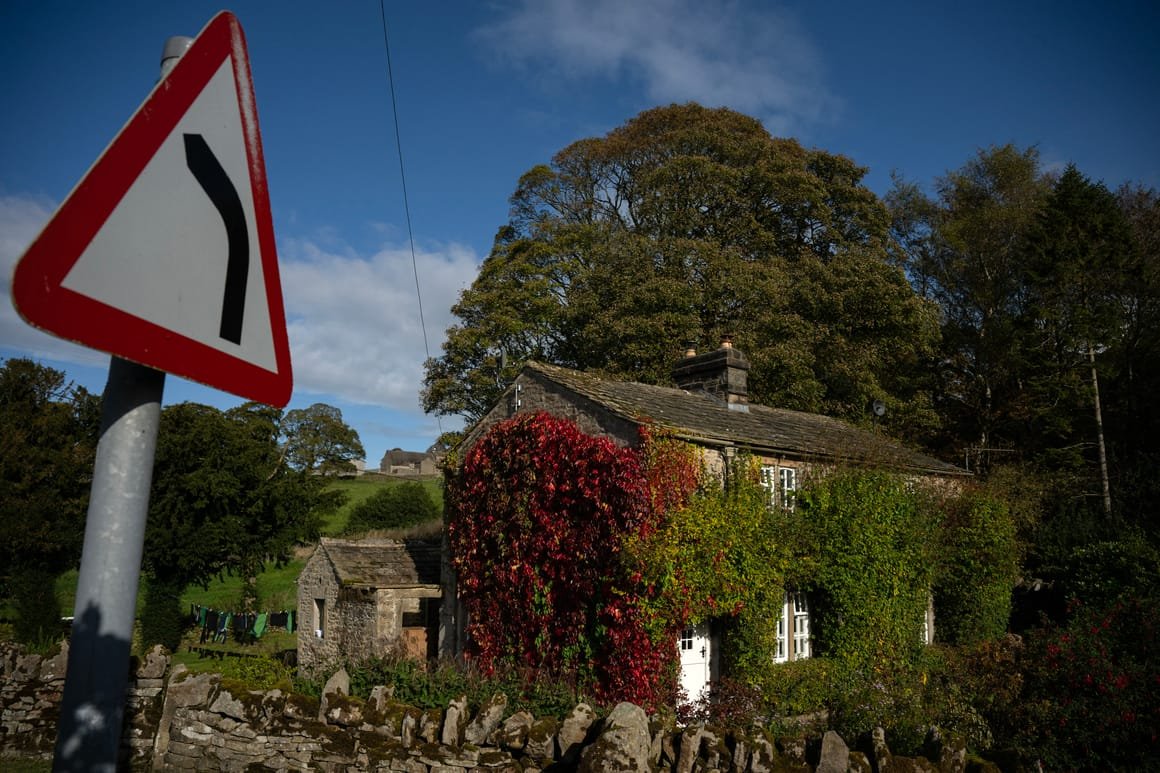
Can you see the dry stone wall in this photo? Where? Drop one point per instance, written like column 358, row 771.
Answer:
column 176, row 720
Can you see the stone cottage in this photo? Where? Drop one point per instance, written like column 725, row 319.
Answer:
column 710, row 408
column 366, row 598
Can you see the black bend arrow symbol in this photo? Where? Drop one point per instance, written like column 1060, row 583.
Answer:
column 216, row 184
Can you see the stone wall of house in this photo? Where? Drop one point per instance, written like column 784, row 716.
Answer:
column 356, row 622
column 317, row 581
column 537, row 395
column 197, row 722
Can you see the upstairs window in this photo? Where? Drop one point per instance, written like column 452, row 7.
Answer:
column 781, row 483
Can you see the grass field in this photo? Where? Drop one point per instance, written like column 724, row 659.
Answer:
column 277, row 590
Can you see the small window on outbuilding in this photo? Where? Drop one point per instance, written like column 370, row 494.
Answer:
column 320, row 618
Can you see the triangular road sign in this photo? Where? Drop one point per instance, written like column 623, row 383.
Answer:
column 164, row 252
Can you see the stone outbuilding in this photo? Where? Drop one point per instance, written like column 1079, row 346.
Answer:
column 366, row 598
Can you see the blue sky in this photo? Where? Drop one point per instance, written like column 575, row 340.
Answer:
column 486, row 90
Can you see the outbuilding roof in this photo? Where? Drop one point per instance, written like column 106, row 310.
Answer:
column 383, row 563
column 703, row 418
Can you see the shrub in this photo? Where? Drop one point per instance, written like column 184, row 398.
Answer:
column 1090, row 690
column 257, row 673
column 433, row 685
column 38, row 620
column 393, row 507
column 799, row 687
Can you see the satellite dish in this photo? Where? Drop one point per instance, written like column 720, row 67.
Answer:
column 878, row 407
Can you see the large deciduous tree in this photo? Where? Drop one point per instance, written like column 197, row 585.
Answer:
column 965, row 250
column 689, row 223
column 318, row 439
column 1042, row 293
column 49, row 431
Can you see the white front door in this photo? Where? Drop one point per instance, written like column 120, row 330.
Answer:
column 696, row 653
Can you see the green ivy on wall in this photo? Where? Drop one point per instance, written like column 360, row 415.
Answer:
column 872, row 542
column 981, row 566
column 724, row 555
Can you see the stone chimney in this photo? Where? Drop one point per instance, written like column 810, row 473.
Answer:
column 722, row 373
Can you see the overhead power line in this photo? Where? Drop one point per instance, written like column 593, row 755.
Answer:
column 403, row 180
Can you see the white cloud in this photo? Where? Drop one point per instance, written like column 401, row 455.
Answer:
column 747, row 56
column 354, row 322
column 21, row 218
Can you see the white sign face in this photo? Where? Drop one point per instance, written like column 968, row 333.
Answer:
column 162, row 254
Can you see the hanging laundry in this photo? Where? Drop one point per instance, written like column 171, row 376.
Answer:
column 209, row 630
column 259, row 625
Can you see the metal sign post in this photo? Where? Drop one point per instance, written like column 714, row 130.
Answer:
column 93, row 705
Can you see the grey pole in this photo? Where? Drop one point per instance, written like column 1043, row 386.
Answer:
column 93, row 705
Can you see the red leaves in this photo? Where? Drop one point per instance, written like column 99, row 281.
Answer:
column 538, row 515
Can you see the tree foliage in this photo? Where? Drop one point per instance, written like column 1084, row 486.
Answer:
column 224, row 500
column 688, row 223
column 393, row 507
column 965, row 250
column 49, row 429
column 972, row 589
column 317, row 439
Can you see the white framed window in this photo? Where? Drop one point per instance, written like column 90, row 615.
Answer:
column 793, row 629
column 928, row 621
column 781, row 654
column 781, row 483
column 787, row 486
column 801, row 625
column 686, row 641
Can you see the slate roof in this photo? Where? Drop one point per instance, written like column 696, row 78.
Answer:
column 699, row 417
column 383, row 563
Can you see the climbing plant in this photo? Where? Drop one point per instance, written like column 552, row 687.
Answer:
column 725, row 553
column 536, row 530
column 578, row 557
column 872, row 540
column 981, row 565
